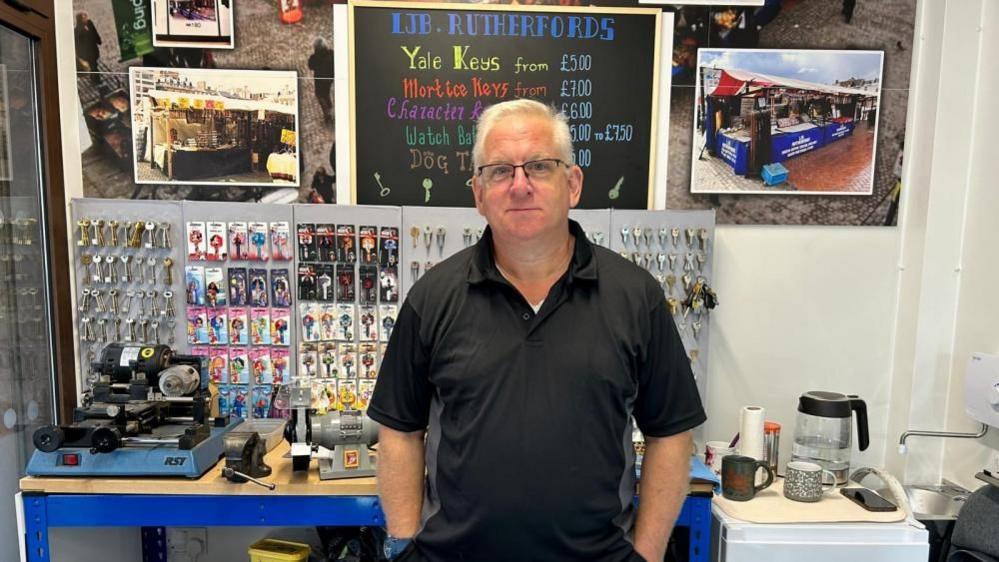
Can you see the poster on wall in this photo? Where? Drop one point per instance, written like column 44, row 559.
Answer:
column 214, row 127
column 784, row 122
column 193, row 23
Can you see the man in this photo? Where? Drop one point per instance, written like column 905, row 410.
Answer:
column 527, row 355
column 88, row 50
column 321, row 65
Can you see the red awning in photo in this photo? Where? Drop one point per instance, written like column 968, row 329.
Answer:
column 732, row 82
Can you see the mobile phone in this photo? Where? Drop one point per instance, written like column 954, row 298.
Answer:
column 868, row 500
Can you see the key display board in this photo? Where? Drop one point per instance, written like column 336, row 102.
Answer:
column 422, row 74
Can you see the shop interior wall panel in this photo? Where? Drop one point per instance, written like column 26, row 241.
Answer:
column 696, row 346
column 125, row 212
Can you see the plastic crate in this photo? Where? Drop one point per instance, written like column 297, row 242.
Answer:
column 273, row 550
column 774, row 174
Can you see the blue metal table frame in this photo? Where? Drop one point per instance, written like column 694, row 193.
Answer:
column 154, row 512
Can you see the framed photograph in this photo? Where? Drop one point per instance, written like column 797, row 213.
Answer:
column 206, row 24
column 785, row 121
column 215, row 127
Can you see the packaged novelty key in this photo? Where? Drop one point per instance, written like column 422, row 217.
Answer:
column 239, row 326
column 368, row 293
column 306, row 282
column 238, row 365
column 347, row 394
column 225, row 399
column 203, row 351
column 309, row 312
column 387, row 314
column 280, row 288
column 259, row 250
column 218, row 364
column 328, row 360
column 307, row 360
column 346, row 244
column 388, row 252
column 326, row 242
column 216, row 235
column 367, row 354
column 280, row 324
column 365, row 388
column 239, row 395
column 260, row 365
column 260, row 326
column 258, row 287
column 194, row 278
column 345, row 322
column 368, row 236
column 215, row 293
column 388, row 285
column 196, row 241
column 347, row 362
column 345, row 284
column 325, row 275
column 237, row 286
column 197, row 326
column 327, row 322
column 279, row 365
column 281, row 240
column 218, row 326
column 262, row 401
column 238, row 242
column 368, row 328
column 307, row 250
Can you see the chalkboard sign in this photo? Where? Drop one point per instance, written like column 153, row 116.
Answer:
column 421, row 75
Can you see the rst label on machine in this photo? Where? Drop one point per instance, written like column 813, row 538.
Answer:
column 174, row 461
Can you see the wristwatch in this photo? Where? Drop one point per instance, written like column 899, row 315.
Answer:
column 393, row 547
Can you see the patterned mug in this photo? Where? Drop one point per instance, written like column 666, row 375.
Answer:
column 803, row 482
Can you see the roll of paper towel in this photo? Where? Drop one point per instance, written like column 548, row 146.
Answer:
column 751, row 420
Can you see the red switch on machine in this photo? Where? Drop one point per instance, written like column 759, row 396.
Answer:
column 291, row 10
column 71, row 459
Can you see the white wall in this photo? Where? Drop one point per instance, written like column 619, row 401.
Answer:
column 976, row 326
column 802, row 308
column 944, row 295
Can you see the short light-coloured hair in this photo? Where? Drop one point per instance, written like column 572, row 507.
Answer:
column 522, row 108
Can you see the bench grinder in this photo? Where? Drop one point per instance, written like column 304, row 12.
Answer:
column 345, row 436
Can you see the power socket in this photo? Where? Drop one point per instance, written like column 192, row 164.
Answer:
column 186, row 543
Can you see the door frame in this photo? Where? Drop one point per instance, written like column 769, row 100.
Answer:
column 34, row 19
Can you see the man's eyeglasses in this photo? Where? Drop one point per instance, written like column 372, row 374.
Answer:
column 537, row 170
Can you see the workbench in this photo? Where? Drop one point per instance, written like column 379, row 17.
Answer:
column 300, row 500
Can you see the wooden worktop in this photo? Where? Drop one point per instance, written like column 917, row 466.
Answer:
column 288, row 482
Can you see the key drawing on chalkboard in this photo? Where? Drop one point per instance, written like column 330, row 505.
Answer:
column 427, row 184
column 384, row 190
column 615, row 191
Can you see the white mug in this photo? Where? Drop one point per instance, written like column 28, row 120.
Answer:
column 714, row 451
column 803, row 482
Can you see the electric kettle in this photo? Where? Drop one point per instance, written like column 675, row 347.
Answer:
column 823, row 430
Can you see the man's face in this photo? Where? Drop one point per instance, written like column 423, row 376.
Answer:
column 526, row 208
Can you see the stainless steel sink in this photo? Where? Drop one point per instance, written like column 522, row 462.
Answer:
column 936, row 502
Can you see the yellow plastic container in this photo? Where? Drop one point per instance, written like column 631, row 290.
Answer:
column 273, row 550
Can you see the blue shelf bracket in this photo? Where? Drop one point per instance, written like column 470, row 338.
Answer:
column 36, row 527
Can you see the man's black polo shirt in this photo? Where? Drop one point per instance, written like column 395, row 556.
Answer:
column 528, row 416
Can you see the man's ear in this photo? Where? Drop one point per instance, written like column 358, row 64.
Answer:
column 575, row 185
column 477, row 193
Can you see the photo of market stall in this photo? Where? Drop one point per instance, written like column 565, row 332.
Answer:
column 776, row 132
column 215, row 127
